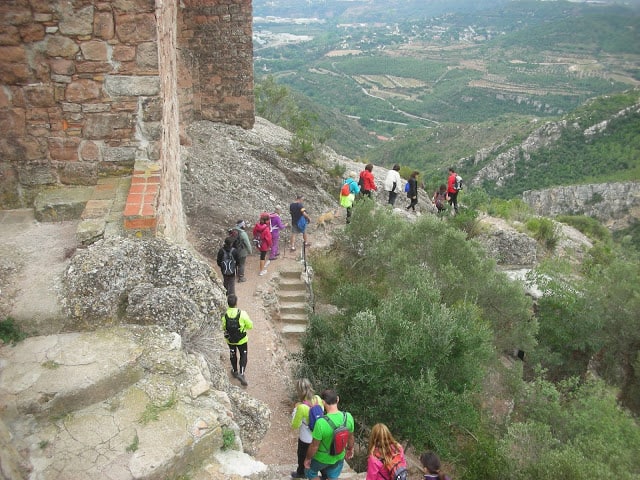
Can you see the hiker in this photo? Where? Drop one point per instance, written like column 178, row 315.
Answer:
column 412, row 193
column 276, row 226
column 392, row 183
column 367, row 182
column 235, row 323
column 348, row 193
column 298, row 212
column 440, row 198
column 242, row 245
column 452, row 191
column 319, row 458
column 386, row 455
column 300, row 420
column 227, row 260
column 262, row 239
column 431, row 466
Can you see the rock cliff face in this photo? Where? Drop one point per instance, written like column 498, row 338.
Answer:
column 614, row 204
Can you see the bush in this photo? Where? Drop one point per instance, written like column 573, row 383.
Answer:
column 589, row 226
column 544, row 231
column 10, row 332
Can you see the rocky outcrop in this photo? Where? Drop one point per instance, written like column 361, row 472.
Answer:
column 506, row 245
column 231, row 173
column 119, row 280
column 614, row 204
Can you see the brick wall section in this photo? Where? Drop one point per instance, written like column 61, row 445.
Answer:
column 218, row 36
column 81, row 94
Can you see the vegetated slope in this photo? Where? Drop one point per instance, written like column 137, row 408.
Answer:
column 444, row 71
column 597, row 143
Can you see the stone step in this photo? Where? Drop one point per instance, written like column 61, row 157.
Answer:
column 66, row 372
column 293, row 296
column 300, row 308
column 291, row 284
column 124, row 403
column 291, row 273
column 60, row 204
column 295, row 331
column 297, row 318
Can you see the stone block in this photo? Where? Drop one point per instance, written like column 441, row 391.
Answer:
column 147, row 55
column 123, row 53
column 119, row 85
column 75, row 22
column 12, row 122
column 13, row 54
column 119, row 154
column 65, row 149
column 90, row 231
column 62, row 66
column 95, row 50
column 14, row 73
column 57, row 46
column 82, row 90
column 134, row 5
column 10, row 35
column 61, row 204
column 136, row 28
column 103, row 25
column 89, row 151
column 32, row 32
column 36, row 174
column 105, row 125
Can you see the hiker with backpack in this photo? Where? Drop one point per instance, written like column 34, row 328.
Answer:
column 305, row 414
column 386, row 459
column 298, row 225
column 276, row 225
column 242, row 245
column 440, row 198
column 262, row 239
column 412, row 190
column 431, row 466
column 227, row 260
column 235, row 324
column 333, row 440
column 454, row 185
column 348, row 192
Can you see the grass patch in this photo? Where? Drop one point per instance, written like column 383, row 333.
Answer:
column 134, row 444
column 10, row 332
column 152, row 411
column 51, row 365
column 228, row 438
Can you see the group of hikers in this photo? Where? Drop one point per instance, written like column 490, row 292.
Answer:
column 232, row 257
column 325, row 440
column 355, row 186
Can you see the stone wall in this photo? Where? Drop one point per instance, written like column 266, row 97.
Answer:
column 81, row 93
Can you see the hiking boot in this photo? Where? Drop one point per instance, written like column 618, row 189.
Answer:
column 243, row 380
column 297, row 475
column 235, row 374
column 242, row 279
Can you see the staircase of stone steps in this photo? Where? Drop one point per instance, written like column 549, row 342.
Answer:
column 293, row 300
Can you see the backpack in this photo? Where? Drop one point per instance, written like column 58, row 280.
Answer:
column 228, row 266
column 345, row 190
column 257, row 239
column 340, row 435
column 457, row 185
column 302, row 223
column 406, row 187
column 232, row 331
column 397, row 467
column 440, row 200
column 315, row 412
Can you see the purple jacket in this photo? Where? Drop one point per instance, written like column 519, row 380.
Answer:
column 276, row 223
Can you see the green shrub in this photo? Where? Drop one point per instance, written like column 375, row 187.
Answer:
column 228, row 438
column 545, row 231
column 10, row 332
column 513, row 210
column 589, row 226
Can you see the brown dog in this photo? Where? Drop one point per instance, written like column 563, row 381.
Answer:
column 326, row 218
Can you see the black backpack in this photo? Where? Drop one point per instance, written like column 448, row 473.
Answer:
column 238, row 244
column 228, row 266
column 232, row 331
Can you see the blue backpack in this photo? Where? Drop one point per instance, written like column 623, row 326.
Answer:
column 315, row 412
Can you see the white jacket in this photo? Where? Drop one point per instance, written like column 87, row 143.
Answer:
column 393, row 176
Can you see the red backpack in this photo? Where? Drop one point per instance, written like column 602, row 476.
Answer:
column 397, row 466
column 340, row 435
column 345, row 190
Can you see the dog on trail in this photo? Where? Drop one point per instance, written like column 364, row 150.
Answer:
column 326, row 218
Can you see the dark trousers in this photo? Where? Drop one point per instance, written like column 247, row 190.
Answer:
column 412, row 205
column 229, row 282
column 392, row 198
column 240, row 266
column 453, row 200
column 349, row 214
column 302, row 453
column 233, row 356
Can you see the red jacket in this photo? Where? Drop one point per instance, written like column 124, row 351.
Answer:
column 450, row 183
column 367, row 180
column 262, row 230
